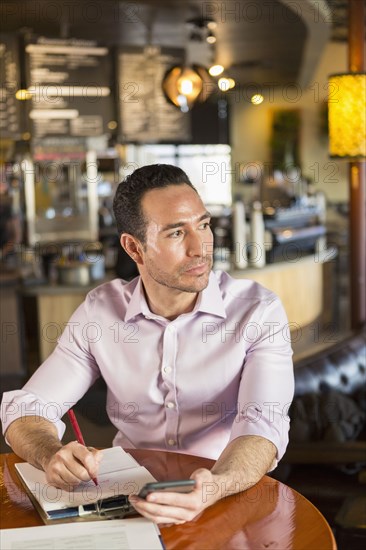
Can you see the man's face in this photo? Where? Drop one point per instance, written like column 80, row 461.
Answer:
column 179, row 242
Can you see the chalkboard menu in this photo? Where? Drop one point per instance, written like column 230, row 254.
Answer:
column 70, row 81
column 145, row 114
column 10, row 83
column 56, row 148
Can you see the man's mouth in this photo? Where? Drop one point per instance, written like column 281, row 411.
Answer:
column 198, row 269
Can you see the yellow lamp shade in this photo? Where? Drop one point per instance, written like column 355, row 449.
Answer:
column 347, row 115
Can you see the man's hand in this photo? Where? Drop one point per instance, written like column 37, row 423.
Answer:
column 35, row 439
column 72, row 464
column 241, row 465
column 170, row 507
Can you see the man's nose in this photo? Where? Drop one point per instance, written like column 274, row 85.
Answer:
column 194, row 245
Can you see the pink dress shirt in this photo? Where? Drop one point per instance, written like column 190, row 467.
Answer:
column 189, row 385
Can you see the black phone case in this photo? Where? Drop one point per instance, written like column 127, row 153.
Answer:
column 177, row 486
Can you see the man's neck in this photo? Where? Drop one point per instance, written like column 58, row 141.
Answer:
column 169, row 303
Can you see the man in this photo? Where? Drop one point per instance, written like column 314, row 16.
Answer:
column 194, row 361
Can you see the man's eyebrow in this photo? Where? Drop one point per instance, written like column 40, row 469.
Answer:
column 179, row 224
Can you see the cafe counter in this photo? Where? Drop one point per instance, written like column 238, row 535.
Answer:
column 305, row 285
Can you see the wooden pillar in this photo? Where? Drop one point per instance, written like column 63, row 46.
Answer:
column 357, row 179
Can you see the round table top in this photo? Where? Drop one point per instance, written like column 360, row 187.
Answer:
column 269, row 515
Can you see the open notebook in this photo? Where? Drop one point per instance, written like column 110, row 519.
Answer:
column 119, row 475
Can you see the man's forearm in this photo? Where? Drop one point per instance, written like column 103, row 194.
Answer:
column 34, row 439
column 243, row 463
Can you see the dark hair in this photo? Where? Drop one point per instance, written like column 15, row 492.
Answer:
column 127, row 201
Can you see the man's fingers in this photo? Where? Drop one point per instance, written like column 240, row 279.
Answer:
column 60, row 476
column 98, row 454
column 89, row 461
column 72, row 464
column 65, row 481
column 164, row 515
column 161, row 513
column 75, row 461
column 190, row 501
column 172, row 507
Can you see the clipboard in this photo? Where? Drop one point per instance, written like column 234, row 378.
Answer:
column 109, row 508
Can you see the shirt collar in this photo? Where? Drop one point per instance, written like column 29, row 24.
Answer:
column 137, row 303
column 209, row 301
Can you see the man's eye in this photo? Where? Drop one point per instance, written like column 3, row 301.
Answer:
column 206, row 225
column 176, row 233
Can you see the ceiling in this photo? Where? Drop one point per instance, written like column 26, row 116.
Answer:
column 261, row 41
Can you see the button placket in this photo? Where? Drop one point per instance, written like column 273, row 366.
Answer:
column 168, row 374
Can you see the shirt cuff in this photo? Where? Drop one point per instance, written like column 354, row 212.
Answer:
column 19, row 403
column 275, row 431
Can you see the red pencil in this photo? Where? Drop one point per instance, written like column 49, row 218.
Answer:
column 78, row 434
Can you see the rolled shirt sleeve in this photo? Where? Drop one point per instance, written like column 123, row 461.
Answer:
column 59, row 382
column 267, row 384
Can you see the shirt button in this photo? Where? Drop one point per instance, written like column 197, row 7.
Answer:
column 172, row 442
column 170, row 405
column 167, row 370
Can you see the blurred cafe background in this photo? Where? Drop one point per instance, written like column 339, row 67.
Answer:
column 261, row 102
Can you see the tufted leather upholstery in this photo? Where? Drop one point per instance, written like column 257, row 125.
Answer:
column 341, row 367
column 322, row 468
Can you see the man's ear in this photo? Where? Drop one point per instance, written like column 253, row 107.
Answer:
column 133, row 247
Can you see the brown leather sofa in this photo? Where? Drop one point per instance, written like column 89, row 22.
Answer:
column 341, row 366
column 328, row 414
column 326, row 457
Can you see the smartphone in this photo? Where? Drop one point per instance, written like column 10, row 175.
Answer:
column 178, row 486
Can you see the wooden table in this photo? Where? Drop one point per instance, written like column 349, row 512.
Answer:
column 269, row 515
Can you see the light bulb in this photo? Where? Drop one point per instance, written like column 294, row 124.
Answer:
column 257, row 99
column 22, row 95
column 215, row 70
column 185, row 86
column 224, row 84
